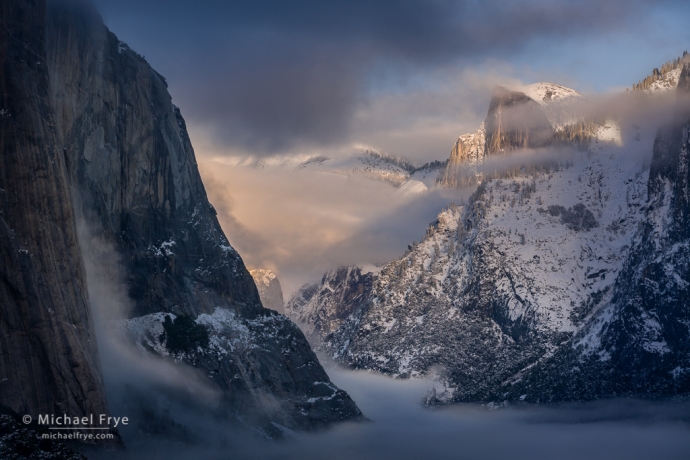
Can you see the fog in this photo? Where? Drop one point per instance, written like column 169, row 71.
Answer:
column 401, row 428
column 301, row 223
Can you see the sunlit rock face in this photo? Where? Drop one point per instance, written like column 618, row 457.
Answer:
column 48, row 353
column 269, row 289
column 558, row 281
column 89, row 133
column 531, row 117
column 467, row 153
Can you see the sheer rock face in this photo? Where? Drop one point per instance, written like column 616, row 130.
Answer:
column 515, row 121
column 269, row 289
column 88, row 131
column 467, row 153
column 48, row 354
column 132, row 163
column 130, row 159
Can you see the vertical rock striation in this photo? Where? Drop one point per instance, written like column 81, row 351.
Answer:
column 48, row 354
column 131, row 163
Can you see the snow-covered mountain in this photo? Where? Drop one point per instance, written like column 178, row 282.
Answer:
column 362, row 163
column 565, row 278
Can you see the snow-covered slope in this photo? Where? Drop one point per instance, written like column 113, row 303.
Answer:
column 665, row 78
column 321, row 308
column 363, row 162
column 498, row 282
column 236, row 354
column 564, row 279
column 561, row 104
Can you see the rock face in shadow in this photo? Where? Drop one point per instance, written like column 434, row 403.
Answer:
column 133, row 168
column 515, row 121
column 132, row 163
column 48, row 353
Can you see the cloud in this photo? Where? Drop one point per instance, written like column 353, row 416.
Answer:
column 301, row 223
column 271, row 76
column 402, row 429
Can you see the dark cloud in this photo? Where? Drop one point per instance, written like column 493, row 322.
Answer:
column 270, row 75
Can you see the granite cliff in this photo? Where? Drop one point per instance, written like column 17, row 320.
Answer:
column 269, row 289
column 48, row 352
column 532, row 117
column 90, row 136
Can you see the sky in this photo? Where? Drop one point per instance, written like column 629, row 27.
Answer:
column 270, row 78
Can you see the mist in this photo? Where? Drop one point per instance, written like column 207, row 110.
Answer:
column 400, row 427
column 301, row 223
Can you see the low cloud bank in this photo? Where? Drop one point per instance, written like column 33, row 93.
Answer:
column 401, row 428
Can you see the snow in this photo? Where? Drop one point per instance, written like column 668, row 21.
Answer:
column 548, row 272
column 667, row 82
column 562, row 105
column 412, row 187
column 545, row 93
column 363, row 162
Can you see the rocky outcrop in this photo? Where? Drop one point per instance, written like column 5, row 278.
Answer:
column 515, row 121
column 320, row 309
column 269, row 289
column 131, row 161
column 467, row 153
column 48, row 353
